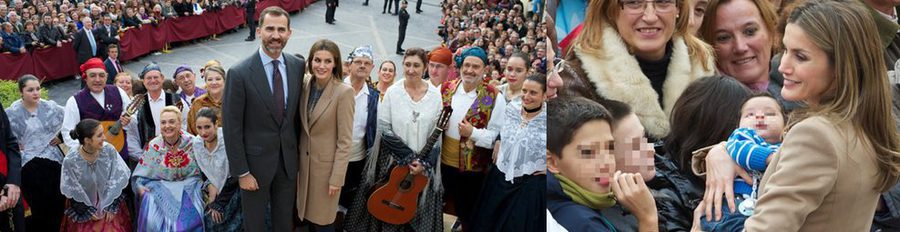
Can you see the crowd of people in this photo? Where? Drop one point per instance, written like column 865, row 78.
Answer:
column 723, row 115
column 303, row 147
column 30, row 25
column 500, row 28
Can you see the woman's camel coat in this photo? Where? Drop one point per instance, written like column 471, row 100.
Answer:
column 324, row 150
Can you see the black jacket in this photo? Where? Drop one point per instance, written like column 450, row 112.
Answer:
column 49, row 35
column 404, row 19
column 677, row 194
column 182, row 8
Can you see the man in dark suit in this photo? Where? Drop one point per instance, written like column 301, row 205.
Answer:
column 404, row 19
column 107, row 34
column 261, row 127
column 250, row 7
column 112, row 64
column 86, row 43
column 329, row 13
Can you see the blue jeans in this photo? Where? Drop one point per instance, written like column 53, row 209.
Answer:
column 730, row 221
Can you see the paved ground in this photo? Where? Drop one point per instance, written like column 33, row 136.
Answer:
column 356, row 25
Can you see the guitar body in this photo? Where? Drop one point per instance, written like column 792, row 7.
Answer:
column 116, row 139
column 396, row 201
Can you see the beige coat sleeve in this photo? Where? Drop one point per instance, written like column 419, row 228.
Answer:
column 345, row 108
column 803, row 173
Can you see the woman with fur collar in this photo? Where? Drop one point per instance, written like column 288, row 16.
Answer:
column 637, row 54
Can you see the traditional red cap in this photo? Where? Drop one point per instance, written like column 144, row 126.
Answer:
column 441, row 55
column 92, row 63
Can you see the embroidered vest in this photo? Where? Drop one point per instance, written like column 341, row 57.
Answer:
column 88, row 107
column 479, row 114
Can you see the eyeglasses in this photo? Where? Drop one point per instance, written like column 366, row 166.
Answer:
column 637, row 7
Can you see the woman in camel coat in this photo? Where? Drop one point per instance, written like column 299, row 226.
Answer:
column 326, row 112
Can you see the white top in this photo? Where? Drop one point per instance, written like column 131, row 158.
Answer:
column 523, row 145
column 360, row 114
column 412, row 121
column 461, row 103
column 73, row 117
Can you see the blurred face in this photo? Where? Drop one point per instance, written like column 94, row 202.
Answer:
column 48, row 20
column 742, row 42
column 274, row 33
column 323, row 65
column 206, row 129
column 413, row 67
column 387, row 73
column 763, row 115
column 516, row 70
column 153, row 81
column 185, row 80
column 472, row 70
column 169, row 124
column 532, row 94
column 588, row 160
column 215, row 83
column 114, row 53
column 361, row 67
column 438, row 71
column 31, row 93
column 96, row 79
column 807, row 71
column 107, row 21
column 633, row 153
column 96, row 140
column 646, row 28
column 87, row 23
column 124, row 82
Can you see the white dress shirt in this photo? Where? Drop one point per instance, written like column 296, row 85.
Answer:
column 412, row 121
column 461, row 103
column 360, row 114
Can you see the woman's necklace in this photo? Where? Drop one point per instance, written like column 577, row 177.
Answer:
column 526, row 112
column 174, row 145
column 90, row 157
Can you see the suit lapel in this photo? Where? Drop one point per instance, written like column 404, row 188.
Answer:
column 294, row 80
column 324, row 101
column 304, row 117
column 260, row 79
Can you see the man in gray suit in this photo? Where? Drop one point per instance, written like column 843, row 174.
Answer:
column 260, row 125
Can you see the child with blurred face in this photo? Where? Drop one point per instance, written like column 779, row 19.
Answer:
column 633, row 153
column 581, row 158
column 752, row 147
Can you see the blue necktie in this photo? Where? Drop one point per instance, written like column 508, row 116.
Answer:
column 93, row 43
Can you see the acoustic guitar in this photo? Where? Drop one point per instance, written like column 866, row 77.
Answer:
column 396, row 201
column 113, row 129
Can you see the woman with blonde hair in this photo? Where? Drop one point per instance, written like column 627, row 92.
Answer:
column 214, row 76
column 842, row 151
column 638, row 52
column 326, row 112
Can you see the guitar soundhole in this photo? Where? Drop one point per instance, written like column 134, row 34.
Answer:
column 392, row 205
column 405, row 184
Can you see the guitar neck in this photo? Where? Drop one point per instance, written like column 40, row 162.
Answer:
column 431, row 140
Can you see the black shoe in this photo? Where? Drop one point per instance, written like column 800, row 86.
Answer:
column 394, row 14
column 382, row 12
column 248, row 39
column 365, row 4
column 332, row 22
column 419, row 11
column 400, row 51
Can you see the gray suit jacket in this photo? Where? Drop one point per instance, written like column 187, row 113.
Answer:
column 254, row 140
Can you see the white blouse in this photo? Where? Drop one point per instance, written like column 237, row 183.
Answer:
column 412, row 121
